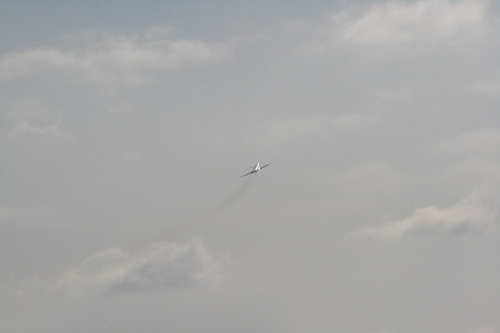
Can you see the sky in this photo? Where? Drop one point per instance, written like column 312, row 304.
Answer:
column 125, row 126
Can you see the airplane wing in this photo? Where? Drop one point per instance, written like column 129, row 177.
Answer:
column 247, row 174
column 262, row 167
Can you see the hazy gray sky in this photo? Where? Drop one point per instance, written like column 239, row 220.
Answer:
column 126, row 124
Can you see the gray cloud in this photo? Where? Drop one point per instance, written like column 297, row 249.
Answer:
column 363, row 131
column 158, row 265
column 317, row 126
column 485, row 329
column 110, row 59
column 474, row 155
column 32, row 118
column 478, row 143
column 487, row 87
column 8, row 213
column 53, row 131
column 384, row 330
column 476, row 212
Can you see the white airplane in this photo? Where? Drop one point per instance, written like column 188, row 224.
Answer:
column 255, row 168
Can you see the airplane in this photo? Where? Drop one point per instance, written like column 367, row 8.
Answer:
column 255, row 168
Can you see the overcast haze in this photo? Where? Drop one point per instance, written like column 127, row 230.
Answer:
column 125, row 126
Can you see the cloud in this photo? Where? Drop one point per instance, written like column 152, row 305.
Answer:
column 397, row 21
column 30, row 118
column 162, row 265
column 320, row 126
column 110, row 59
column 471, row 156
column 25, row 128
column 487, row 87
column 485, row 329
column 393, row 25
column 475, row 213
column 481, row 143
column 384, row 330
column 8, row 213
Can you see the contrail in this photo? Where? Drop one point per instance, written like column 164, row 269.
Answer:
column 203, row 217
column 220, row 207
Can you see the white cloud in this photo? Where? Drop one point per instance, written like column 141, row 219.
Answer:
column 158, row 265
column 114, row 59
column 476, row 212
column 397, row 21
column 393, row 25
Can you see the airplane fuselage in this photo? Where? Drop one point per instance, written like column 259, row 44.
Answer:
column 255, row 168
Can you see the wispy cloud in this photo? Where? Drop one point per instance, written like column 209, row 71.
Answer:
column 475, row 213
column 159, row 265
column 112, row 59
column 397, row 21
column 394, row 25
column 26, row 128
column 31, row 118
